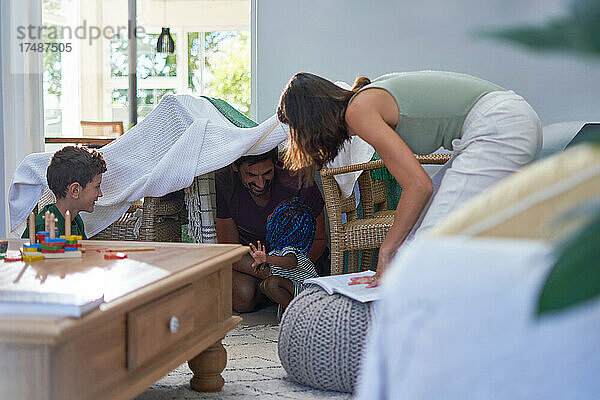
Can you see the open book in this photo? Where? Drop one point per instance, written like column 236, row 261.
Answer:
column 339, row 284
column 43, row 303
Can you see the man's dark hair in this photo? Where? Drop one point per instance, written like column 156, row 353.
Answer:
column 251, row 160
column 73, row 164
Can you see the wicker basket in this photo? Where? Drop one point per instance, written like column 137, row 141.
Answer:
column 159, row 220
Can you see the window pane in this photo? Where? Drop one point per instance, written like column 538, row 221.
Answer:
column 150, row 62
column 52, row 83
column 147, row 100
column 118, row 57
column 195, row 62
column 227, row 68
column 52, row 8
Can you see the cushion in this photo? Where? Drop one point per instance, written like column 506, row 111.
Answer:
column 321, row 339
column 557, row 136
column 590, row 132
column 528, row 203
column 457, row 321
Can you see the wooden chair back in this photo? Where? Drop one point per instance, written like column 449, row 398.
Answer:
column 96, row 128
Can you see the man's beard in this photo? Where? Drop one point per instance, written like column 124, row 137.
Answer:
column 252, row 189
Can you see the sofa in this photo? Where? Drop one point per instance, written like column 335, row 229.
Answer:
column 458, row 316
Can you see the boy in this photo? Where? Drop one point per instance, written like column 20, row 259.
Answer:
column 74, row 176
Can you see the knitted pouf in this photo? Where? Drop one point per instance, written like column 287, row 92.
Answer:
column 321, row 339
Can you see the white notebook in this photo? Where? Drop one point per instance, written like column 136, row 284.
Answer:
column 339, row 284
column 17, row 302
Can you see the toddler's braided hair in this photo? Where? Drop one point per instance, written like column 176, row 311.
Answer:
column 291, row 224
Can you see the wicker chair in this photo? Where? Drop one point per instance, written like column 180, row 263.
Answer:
column 154, row 219
column 364, row 233
column 108, row 129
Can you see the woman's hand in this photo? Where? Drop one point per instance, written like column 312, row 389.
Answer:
column 259, row 255
column 371, row 281
column 382, row 263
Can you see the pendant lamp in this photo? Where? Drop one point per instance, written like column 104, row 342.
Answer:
column 165, row 44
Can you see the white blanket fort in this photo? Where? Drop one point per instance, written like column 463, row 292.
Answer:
column 183, row 137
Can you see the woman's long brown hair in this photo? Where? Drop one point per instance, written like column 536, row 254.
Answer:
column 314, row 109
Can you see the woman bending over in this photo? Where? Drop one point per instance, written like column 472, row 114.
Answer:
column 492, row 132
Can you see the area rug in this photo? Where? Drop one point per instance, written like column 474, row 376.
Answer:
column 253, row 371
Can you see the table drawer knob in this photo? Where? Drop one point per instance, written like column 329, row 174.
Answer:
column 174, row 324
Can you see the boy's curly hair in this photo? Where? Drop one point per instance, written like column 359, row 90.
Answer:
column 291, row 224
column 73, row 164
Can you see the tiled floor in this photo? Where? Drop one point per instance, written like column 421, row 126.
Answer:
column 253, row 368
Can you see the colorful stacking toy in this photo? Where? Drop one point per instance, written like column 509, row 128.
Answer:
column 3, row 248
column 45, row 244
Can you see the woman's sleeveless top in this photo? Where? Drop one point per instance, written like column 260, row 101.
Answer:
column 433, row 105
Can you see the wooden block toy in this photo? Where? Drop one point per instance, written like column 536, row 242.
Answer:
column 68, row 223
column 72, row 242
column 55, row 240
column 115, row 256
column 31, row 252
column 72, row 238
column 52, row 230
column 12, row 256
column 32, row 257
column 52, row 251
column 3, row 248
column 119, row 250
column 32, row 228
column 46, row 218
column 64, row 254
column 44, row 248
column 41, row 235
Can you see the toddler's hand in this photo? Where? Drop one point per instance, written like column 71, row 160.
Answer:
column 258, row 253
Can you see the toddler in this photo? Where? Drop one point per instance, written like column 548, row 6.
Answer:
column 290, row 232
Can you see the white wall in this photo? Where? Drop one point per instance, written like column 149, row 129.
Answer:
column 4, row 206
column 340, row 39
column 22, row 110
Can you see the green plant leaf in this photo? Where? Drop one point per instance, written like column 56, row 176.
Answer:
column 577, row 32
column 589, row 134
column 575, row 277
column 559, row 34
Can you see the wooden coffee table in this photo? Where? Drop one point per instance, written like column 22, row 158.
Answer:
column 162, row 308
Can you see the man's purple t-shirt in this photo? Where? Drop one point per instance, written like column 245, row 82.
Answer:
column 234, row 201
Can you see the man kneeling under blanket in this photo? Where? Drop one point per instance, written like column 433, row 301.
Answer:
column 247, row 193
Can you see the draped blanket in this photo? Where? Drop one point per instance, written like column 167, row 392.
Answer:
column 183, row 137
